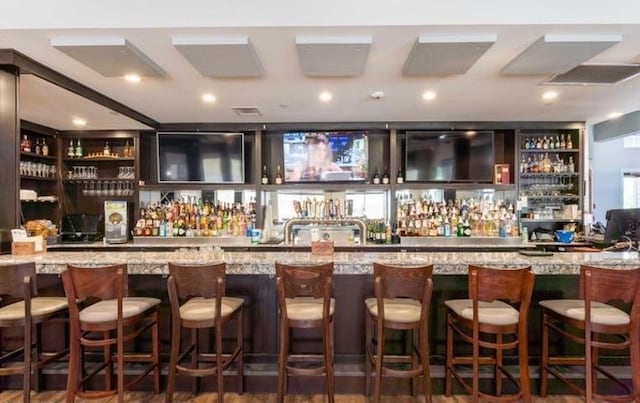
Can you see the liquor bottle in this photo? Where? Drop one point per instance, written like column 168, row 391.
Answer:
column 107, row 150
column 385, row 177
column 538, row 144
column 71, row 152
column 27, row 144
column 563, row 145
column 526, row 143
column 532, row 143
column 552, row 143
column 38, row 148
column 571, row 167
column 376, row 177
column 545, row 143
column 278, row 179
column 399, row 178
column 45, row 147
column 78, row 149
column 265, row 177
column 557, row 144
column 569, row 142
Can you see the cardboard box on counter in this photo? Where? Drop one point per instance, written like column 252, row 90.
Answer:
column 30, row 246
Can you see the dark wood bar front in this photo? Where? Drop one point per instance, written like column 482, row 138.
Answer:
column 251, row 276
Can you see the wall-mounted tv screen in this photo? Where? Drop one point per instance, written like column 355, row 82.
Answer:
column 338, row 156
column 449, row 156
column 200, row 157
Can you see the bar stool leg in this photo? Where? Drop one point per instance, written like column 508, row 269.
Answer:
column 379, row 358
column 37, row 375
column 449, row 357
column 415, row 361
column 155, row 339
column 588, row 374
column 544, row 359
column 173, row 359
column 498, row 366
column 120, row 361
column 240, row 341
column 328, row 357
column 75, row 356
column 28, row 355
column 108, row 369
column 523, row 363
column 195, row 352
column 634, row 352
column 424, row 360
column 219, row 369
column 475, row 388
column 367, row 347
column 282, row 360
column 595, row 357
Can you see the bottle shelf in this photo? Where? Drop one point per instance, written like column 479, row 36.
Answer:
column 549, row 174
column 40, row 201
column 294, row 187
column 86, row 180
column 38, row 178
column 556, row 197
column 40, row 156
column 536, row 150
column 542, row 220
column 98, row 159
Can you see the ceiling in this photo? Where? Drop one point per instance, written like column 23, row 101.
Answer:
column 282, row 91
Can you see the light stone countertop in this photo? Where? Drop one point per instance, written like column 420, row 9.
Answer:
column 152, row 262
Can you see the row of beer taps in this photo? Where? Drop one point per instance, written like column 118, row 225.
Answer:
column 323, row 209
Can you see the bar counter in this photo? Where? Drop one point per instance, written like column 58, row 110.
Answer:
column 262, row 263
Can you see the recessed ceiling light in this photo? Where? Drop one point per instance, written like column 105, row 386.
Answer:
column 549, row 96
column 470, row 133
column 377, row 95
column 614, row 115
column 325, row 96
column 79, row 122
column 429, row 95
column 209, row 98
column 133, row 78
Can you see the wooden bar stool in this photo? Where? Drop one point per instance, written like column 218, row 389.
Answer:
column 497, row 308
column 304, row 301
column 596, row 322
column 402, row 300
column 21, row 307
column 198, row 301
column 107, row 317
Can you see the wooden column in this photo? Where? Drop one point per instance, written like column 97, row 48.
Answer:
column 9, row 148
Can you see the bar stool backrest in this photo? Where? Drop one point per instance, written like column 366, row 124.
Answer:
column 306, row 281
column 82, row 283
column 512, row 285
column 606, row 285
column 403, row 281
column 199, row 281
column 12, row 279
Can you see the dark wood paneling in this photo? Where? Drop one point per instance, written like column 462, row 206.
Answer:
column 9, row 150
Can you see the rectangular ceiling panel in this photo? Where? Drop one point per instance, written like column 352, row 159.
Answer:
column 333, row 56
column 556, row 53
column 111, row 57
column 442, row 55
column 221, row 57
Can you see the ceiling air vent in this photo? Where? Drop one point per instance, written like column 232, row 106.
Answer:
column 246, row 111
column 596, row 74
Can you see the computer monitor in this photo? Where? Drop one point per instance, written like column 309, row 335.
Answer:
column 622, row 224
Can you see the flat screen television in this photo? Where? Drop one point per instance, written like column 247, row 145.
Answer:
column 337, row 156
column 200, row 157
column 449, row 156
column 622, row 224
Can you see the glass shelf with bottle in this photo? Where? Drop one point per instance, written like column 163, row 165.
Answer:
column 36, row 147
column 97, row 150
column 483, row 213
column 196, row 214
column 542, row 142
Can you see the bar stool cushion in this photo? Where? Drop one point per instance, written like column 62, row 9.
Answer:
column 107, row 310
column 490, row 313
column 200, row 308
column 404, row 310
column 601, row 314
column 306, row 308
column 39, row 306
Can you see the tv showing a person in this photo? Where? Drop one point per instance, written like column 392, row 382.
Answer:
column 315, row 157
